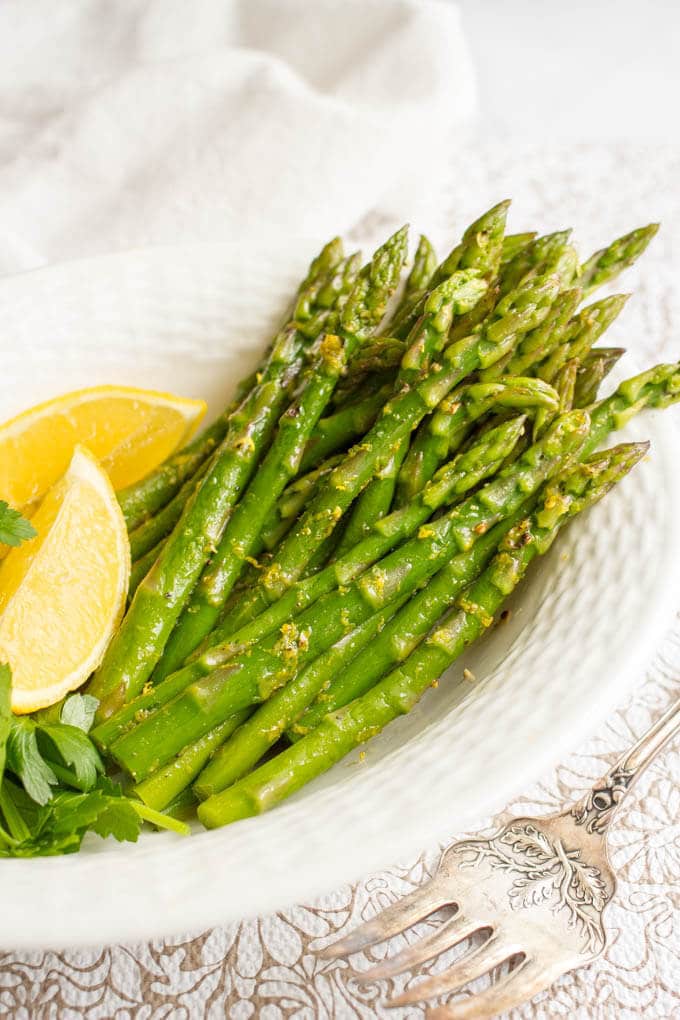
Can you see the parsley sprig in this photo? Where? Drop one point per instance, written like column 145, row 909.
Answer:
column 52, row 784
column 14, row 529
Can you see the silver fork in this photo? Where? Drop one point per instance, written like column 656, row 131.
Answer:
column 538, row 888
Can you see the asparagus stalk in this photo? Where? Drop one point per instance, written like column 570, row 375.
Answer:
column 375, row 501
column 418, row 280
column 482, row 241
column 596, row 365
column 462, row 475
column 565, row 384
column 146, row 497
column 521, row 310
column 158, row 527
column 230, row 683
column 607, row 263
column 513, row 244
column 162, row 594
column 336, row 431
column 396, row 694
column 585, row 329
column 534, row 257
column 567, row 338
column 142, row 566
column 364, row 311
column 337, row 677
column 245, row 748
column 162, row 788
column 444, row 431
column 481, row 250
column 657, row 388
column 292, row 501
column 540, row 342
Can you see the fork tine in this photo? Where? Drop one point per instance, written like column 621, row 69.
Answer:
column 445, row 937
column 505, row 994
column 468, row 968
column 391, row 921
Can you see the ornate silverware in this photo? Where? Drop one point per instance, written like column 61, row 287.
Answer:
column 538, row 889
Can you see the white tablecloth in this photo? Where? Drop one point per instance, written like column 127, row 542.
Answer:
column 267, row 968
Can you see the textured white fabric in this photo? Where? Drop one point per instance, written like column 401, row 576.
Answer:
column 126, row 123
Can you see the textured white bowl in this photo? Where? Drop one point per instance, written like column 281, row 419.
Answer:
column 192, row 319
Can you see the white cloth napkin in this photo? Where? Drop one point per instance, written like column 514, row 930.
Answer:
column 126, row 123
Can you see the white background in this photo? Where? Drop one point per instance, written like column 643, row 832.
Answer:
column 603, row 70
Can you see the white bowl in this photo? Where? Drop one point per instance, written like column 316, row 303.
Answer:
column 193, row 319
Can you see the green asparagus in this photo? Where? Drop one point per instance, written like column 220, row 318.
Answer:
column 452, row 482
column 340, row 732
column 521, row 310
column 226, row 683
column 607, row 263
column 596, row 365
column 162, row 594
column 362, row 315
column 146, row 497
column 444, row 431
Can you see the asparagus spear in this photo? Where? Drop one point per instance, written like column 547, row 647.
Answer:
column 658, row 387
column 567, row 337
column 231, row 683
column 481, row 245
column 293, row 499
column 376, row 499
column 142, row 566
column 247, row 745
column 596, row 365
column 418, row 280
column 462, row 475
column 480, row 249
column 565, row 384
column 446, row 428
column 336, row 431
column 158, row 527
column 146, row 497
column 513, row 244
column 163, row 787
column 482, row 241
column 540, row 342
column 162, row 594
column 397, row 693
column 524, row 308
column 607, row 263
column 282, row 460
column 585, row 329
column 534, row 257
column 349, row 668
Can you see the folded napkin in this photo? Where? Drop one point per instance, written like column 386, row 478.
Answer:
column 124, row 124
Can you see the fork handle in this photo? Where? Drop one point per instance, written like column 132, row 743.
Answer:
column 597, row 807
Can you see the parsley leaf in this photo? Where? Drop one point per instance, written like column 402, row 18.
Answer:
column 78, row 710
column 5, row 712
column 75, row 749
column 53, row 790
column 14, row 529
column 25, row 761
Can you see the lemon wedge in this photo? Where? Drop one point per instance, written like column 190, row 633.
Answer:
column 62, row 594
column 131, row 431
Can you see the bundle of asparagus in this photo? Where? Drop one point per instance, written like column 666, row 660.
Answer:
column 308, row 567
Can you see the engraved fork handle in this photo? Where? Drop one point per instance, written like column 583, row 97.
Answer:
column 597, row 807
